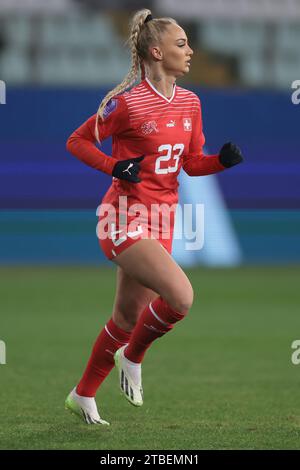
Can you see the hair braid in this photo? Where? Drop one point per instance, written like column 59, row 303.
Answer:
column 137, row 23
column 142, row 35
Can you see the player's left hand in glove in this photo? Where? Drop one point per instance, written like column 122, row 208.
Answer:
column 128, row 169
column 230, row 155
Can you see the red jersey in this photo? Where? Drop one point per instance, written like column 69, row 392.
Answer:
column 168, row 131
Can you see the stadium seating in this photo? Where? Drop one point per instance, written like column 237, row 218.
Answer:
column 87, row 48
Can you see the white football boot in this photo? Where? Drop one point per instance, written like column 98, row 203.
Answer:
column 84, row 407
column 130, row 378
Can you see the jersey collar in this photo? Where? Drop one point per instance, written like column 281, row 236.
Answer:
column 152, row 87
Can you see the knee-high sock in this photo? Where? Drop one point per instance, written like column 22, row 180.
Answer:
column 101, row 361
column 156, row 320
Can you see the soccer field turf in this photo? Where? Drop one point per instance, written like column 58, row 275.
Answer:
column 222, row 379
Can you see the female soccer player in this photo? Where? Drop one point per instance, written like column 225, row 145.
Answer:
column 156, row 129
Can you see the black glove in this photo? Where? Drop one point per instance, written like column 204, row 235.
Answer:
column 230, row 155
column 128, row 169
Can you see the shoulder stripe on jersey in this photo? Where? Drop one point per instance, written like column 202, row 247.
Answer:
column 188, row 113
column 178, row 109
column 150, row 101
column 157, row 108
column 141, row 102
column 140, row 93
column 145, row 105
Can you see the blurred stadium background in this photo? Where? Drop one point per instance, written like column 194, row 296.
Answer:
column 58, row 58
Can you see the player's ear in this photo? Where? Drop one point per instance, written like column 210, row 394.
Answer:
column 156, row 53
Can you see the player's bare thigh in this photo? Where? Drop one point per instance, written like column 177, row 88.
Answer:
column 148, row 263
column 130, row 300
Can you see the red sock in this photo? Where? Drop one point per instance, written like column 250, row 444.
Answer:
column 101, row 361
column 156, row 320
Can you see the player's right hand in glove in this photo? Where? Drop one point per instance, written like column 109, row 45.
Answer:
column 128, row 169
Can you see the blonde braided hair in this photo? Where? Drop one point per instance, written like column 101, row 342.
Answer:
column 142, row 35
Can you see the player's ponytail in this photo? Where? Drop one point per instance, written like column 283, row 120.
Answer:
column 137, row 23
column 142, row 34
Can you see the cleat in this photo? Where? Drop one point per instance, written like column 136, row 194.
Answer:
column 84, row 407
column 131, row 385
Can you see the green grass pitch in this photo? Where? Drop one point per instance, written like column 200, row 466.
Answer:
column 222, row 379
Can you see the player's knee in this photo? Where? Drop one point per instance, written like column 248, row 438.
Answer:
column 183, row 300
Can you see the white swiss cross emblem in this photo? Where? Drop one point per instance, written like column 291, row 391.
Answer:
column 187, row 124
